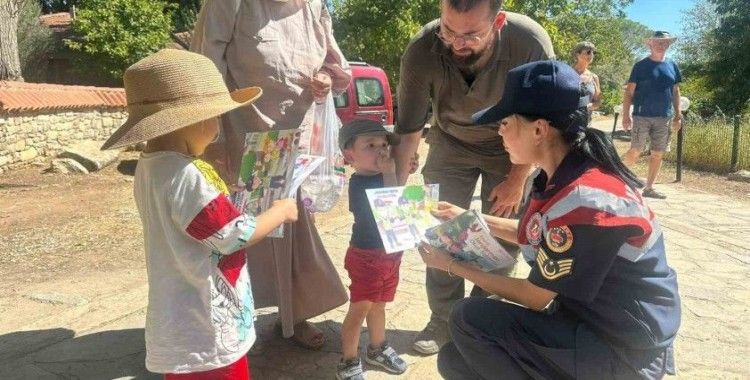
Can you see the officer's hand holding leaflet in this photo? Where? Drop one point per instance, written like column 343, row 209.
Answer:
column 517, row 290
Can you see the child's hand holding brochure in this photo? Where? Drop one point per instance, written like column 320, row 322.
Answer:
column 467, row 238
column 403, row 214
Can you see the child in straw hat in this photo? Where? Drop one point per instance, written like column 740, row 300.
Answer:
column 199, row 323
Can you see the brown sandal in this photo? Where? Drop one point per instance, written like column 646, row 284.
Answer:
column 306, row 335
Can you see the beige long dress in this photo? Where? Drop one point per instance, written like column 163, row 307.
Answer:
column 279, row 46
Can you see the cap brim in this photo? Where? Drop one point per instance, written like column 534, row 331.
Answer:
column 491, row 114
column 160, row 123
column 392, row 138
column 670, row 39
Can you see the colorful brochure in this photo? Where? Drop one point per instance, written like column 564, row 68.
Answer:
column 403, row 214
column 468, row 238
column 304, row 165
column 266, row 171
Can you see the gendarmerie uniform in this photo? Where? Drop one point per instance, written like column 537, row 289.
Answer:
column 590, row 238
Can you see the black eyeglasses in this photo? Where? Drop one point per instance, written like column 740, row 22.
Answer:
column 587, row 52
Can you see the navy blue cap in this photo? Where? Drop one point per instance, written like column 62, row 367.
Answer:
column 538, row 88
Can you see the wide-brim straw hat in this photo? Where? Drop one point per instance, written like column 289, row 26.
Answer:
column 172, row 89
column 662, row 35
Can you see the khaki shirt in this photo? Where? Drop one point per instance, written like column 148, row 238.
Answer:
column 428, row 73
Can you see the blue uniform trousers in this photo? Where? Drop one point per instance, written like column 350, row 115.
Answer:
column 498, row 340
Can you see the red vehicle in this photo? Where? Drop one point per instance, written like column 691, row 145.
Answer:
column 367, row 97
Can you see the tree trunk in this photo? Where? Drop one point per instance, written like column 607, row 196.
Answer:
column 10, row 63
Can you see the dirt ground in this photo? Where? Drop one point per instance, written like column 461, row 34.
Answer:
column 81, row 234
column 57, row 225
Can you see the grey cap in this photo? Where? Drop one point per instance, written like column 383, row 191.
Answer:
column 365, row 127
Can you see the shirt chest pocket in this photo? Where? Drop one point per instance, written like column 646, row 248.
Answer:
column 283, row 36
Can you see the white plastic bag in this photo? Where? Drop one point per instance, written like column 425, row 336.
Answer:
column 324, row 186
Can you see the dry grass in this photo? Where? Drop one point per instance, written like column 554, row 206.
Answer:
column 708, row 144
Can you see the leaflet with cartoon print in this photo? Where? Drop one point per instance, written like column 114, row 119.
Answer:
column 467, row 237
column 266, row 171
column 403, row 214
column 304, row 165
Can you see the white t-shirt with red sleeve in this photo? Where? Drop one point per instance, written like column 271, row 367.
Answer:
column 200, row 304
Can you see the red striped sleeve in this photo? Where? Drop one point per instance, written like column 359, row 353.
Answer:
column 215, row 215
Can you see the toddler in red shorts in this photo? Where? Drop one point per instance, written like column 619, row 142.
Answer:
column 373, row 272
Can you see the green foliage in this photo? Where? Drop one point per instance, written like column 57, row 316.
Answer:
column 729, row 67
column 569, row 22
column 696, row 38
column 118, row 33
column 715, row 55
column 619, row 41
column 697, row 87
column 611, row 97
column 378, row 31
column 694, row 51
column 35, row 42
column 185, row 13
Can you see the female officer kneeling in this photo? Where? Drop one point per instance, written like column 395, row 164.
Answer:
column 600, row 301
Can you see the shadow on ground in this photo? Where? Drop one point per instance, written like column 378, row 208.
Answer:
column 4, row 186
column 280, row 358
column 56, row 354
column 115, row 354
column 127, row 167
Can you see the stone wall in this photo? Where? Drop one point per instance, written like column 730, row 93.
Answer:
column 27, row 137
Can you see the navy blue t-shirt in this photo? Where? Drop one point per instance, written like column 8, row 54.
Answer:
column 653, row 87
column 364, row 230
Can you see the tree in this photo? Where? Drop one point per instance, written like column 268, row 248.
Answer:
column 118, row 33
column 715, row 55
column 185, row 13
column 10, row 62
column 601, row 22
column 729, row 65
column 697, row 34
column 35, row 42
column 695, row 49
column 378, row 31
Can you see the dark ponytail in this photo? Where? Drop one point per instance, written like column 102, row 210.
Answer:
column 590, row 143
column 599, row 148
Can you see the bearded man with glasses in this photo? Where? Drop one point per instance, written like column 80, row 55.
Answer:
column 458, row 64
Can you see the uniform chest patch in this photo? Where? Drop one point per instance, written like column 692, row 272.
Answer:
column 534, row 229
column 559, row 239
column 553, row 269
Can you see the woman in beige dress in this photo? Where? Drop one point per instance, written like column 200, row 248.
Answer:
column 287, row 48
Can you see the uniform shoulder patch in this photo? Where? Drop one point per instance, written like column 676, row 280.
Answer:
column 534, row 229
column 553, row 269
column 559, row 239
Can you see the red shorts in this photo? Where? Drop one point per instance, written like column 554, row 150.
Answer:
column 374, row 274
column 239, row 370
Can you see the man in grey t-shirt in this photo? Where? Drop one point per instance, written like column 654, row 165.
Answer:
column 459, row 64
